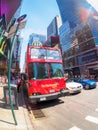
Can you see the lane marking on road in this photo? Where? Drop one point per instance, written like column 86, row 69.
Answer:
column 75, row 128
column 92, row 119
column 96, row 110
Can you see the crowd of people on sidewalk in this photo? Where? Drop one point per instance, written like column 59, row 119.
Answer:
column 15, row 79
column 3, row 79
column 19, row 79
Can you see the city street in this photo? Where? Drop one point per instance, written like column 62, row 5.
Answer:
column 73, row 112
column 48, row 51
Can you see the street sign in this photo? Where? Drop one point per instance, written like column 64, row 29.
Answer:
column 13, row 29
column 21, row 18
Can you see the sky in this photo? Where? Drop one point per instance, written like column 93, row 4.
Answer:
column 39, row 15
column 94, row 3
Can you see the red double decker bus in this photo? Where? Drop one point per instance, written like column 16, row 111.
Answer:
column 45, row 73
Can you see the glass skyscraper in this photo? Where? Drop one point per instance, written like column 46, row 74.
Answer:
column 36, row 37
column 70, row 10
column 79, row 36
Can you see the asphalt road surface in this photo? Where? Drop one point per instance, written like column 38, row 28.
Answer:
column 73, row 112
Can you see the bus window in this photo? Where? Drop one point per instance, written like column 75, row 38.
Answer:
column 38, row 53
column 30, row 71
column 37, row 70
column 56, row 70
column 51, row 54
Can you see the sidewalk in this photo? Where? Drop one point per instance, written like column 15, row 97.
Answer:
column 6, row 117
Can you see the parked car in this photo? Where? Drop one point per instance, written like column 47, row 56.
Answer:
column 73, row 87
column 87, row 83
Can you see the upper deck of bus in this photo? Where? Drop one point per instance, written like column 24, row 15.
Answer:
column 43, row 54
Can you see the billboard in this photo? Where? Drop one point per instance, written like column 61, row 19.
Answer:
column 9, row 8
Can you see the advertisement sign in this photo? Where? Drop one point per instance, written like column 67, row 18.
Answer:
column 14, row 96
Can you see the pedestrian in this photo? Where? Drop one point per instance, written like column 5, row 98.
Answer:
column 19, row 84
column 12, row 79
column 25, row 83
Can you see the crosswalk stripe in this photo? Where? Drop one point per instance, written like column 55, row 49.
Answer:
column 92, row 119
column 75, row 128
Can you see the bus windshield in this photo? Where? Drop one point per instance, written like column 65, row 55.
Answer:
column 44, row 70
column 56, row 70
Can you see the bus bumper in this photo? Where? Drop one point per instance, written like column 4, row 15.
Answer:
column 46, row 97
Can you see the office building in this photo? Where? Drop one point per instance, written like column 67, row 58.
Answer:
column 53, row 33
column 79, row 36
column 53, row 28
column 34, row 37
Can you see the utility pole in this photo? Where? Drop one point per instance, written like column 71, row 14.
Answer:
column 10, row 62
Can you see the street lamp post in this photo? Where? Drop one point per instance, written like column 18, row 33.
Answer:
column 10, row 62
